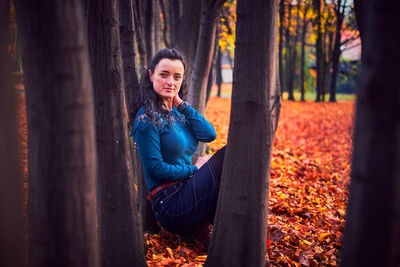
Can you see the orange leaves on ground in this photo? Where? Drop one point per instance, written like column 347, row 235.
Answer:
column 165, row 249
column 310, row 171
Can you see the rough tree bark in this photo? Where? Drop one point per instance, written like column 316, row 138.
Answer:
column 59, row 102
column 372, row 234
column 12, row 249
column 132, row 96
column 241, row 216
column 120, row 231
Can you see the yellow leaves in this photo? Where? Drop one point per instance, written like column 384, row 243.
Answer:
column 323, row 236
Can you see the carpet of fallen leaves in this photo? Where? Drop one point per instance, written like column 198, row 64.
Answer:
column 308, row 187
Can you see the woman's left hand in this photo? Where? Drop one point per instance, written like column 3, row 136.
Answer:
column 176, row 101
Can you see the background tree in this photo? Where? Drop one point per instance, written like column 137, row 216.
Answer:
column 62, row 166
column 120, row 231
column 202, row 61
column 12, row 249
column 243, row 199
column 373, row 224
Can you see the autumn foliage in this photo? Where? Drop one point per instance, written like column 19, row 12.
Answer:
column 308, row 187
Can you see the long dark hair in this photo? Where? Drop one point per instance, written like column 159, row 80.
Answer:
column 150, row 101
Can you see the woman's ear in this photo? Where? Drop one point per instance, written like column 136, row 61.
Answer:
column 150, row 75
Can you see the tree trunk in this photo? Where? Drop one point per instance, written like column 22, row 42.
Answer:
column 319, row 49
column 157, row 23
column 12, row 249
column 120, row 231
column 139, row 31
column 188, row 36
column 166, row 23
column 202, row 61
column 336, row 52
column 132, row 96
column 302, row 64
column 211, row 76
column 148, row 28
column 204, row 52
column 293, row 57
column 127, row 37
column 175, row 10
column 372, row 233
column 61, row 141
column 218, row 71
column 241, row 216
column 288, row 45
column 281, row 42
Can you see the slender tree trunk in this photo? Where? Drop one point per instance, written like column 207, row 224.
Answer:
column 336, row 50
column 166, row 23
column 120, row 231
column 281, row 42
column 211, row 76
column 373, row 213
column 175, row 10
column 218, row 71
column 241, row 216
column 293, row 57
column 302, row 64
column 12, row 251
column 139, row 30
column 157, row 26
column 204, row 52
column 203, row 58
column 189, row 28
column 61, row 140
column 319, row 49
column 148, row 28
column 288, row 50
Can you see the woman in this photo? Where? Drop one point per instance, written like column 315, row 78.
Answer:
column 167, row 131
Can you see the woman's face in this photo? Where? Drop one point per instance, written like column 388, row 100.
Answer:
column 167, row 78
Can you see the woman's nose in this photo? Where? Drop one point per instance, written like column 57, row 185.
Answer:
column 169, row 80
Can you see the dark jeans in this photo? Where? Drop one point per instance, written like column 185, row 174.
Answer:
column 182, row 207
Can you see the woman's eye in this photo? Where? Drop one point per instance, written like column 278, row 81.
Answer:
column 177, row 78
column 163, row 74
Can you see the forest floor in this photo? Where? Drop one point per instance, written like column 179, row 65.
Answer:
column 311, row 162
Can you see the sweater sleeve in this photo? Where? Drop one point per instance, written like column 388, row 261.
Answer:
column 148, row 141
column 202, row 130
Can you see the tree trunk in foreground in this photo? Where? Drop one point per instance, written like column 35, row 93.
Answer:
column 241, row 217
column 12, row 252
column 59, row 103
column 372, row 234
column 120, row 230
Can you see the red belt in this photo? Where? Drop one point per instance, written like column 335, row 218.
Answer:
column 160, row 187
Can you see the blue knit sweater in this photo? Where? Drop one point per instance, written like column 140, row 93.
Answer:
column 166, row 148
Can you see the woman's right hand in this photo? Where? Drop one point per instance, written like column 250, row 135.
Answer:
column 200, row 161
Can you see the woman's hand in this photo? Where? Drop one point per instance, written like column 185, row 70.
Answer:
column 200, row 161
column 176, row 101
